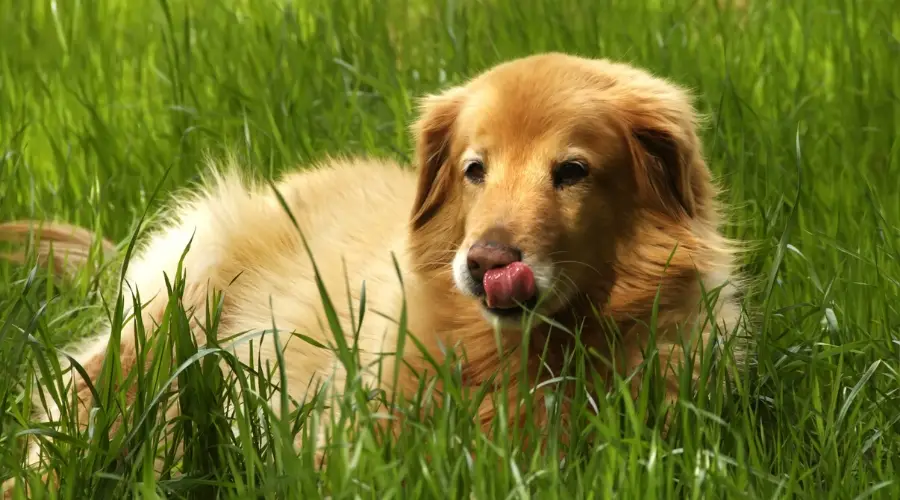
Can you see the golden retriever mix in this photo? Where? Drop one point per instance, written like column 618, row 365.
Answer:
column 573, row 187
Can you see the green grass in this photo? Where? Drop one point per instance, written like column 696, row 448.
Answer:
column 104, row 102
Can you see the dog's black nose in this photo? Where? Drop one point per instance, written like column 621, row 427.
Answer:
column 487, row 255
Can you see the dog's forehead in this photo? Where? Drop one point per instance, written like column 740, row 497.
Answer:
column 522, row 112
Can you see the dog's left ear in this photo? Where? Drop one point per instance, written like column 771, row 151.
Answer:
column 667, row 152
column 433, row 133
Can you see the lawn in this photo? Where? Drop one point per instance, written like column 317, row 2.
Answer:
column 107, row 106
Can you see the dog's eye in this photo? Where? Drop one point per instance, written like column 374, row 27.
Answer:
column 568, row 173
column 474, row 171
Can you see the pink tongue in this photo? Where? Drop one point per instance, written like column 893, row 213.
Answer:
column 505, row 286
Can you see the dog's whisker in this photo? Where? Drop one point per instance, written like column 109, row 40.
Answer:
column 565, row 280
column 585, row 264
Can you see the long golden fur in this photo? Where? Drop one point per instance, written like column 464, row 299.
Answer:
column 638, row 224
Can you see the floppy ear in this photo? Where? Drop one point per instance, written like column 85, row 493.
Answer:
column 433, row 131
column 668, row 156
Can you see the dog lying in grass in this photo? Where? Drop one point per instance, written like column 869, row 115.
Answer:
column 552, row 194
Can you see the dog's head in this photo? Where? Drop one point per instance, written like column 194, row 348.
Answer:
column 531, row 174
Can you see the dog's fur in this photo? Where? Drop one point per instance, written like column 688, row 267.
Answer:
column 640, row 227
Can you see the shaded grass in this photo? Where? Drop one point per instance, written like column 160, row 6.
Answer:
column 104, row 102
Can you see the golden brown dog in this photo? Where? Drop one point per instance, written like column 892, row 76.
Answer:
column 550, row 183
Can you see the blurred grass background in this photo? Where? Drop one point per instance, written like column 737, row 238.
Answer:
column 100, row 98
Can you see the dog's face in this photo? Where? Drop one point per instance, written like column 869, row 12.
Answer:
column 532, row 174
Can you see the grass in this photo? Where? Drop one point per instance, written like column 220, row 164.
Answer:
column 105, row 102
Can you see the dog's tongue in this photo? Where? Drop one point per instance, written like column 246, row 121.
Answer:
column 505, row 286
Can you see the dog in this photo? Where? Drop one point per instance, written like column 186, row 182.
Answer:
column 551, row 186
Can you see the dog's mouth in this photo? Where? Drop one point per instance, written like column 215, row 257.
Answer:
column 509, row 290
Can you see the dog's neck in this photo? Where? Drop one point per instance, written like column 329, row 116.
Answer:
column 447, row 321
column 451, row 321
column 600, row 317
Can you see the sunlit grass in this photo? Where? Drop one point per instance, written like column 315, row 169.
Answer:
column 103, row 103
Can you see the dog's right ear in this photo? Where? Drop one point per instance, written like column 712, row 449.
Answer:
column 433, row 132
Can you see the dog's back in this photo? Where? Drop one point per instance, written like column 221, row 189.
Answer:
column 353, row 214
